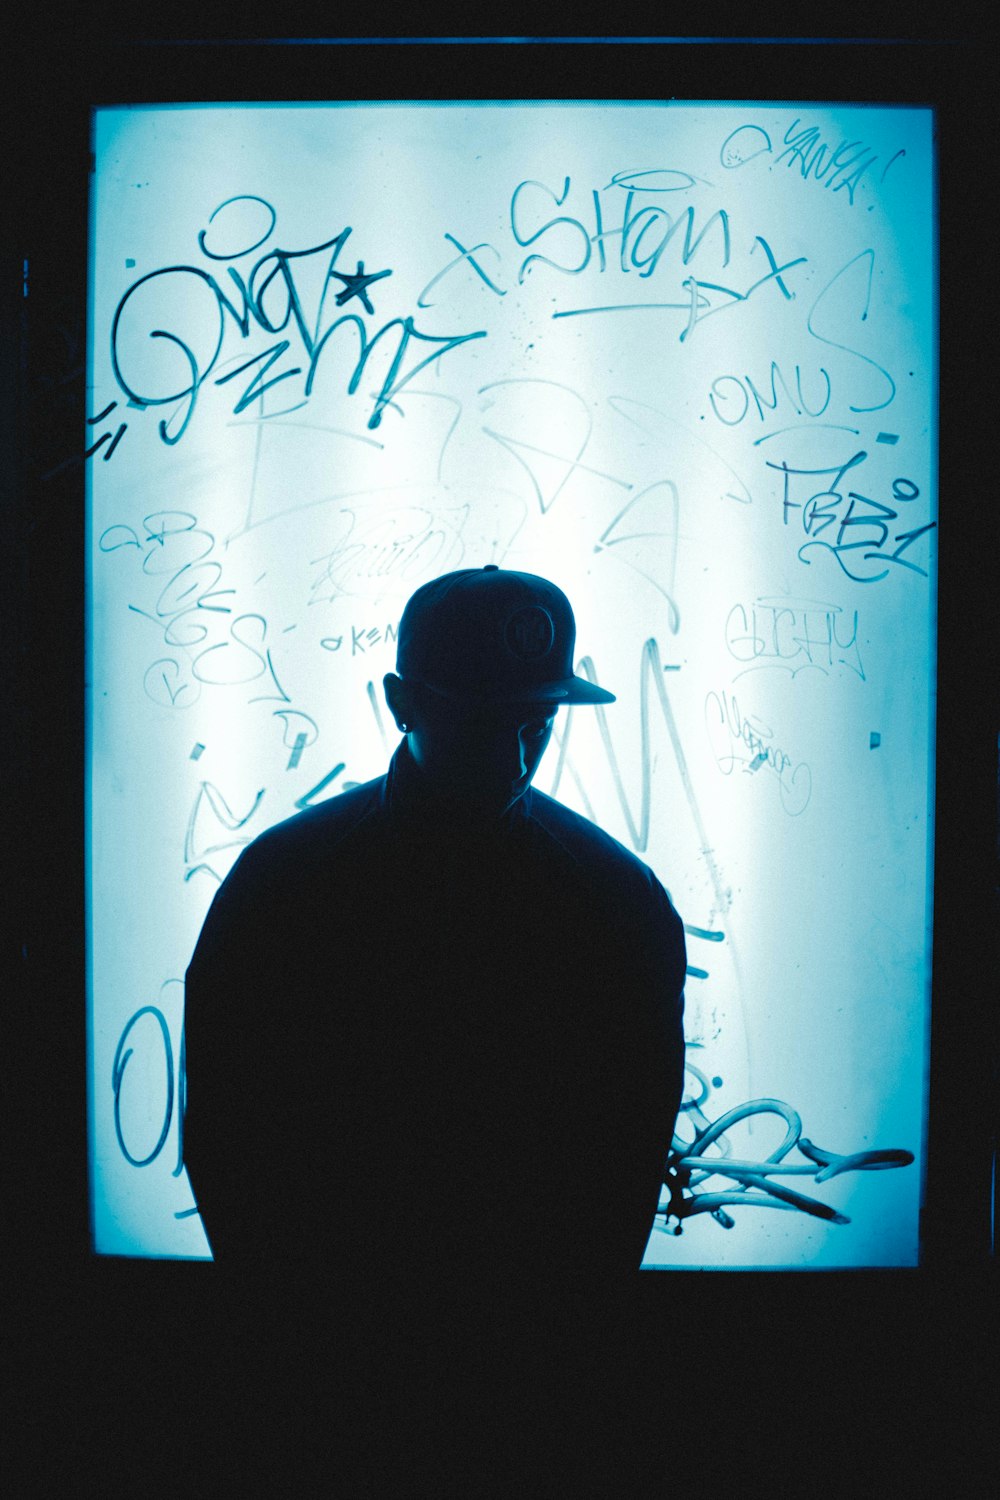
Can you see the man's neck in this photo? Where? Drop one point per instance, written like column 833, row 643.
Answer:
column 415, row 797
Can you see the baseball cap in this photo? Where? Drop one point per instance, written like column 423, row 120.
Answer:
column 492, row 635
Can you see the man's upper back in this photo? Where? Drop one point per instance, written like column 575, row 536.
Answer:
column 408, row 1045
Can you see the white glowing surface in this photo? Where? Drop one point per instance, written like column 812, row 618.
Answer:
column 634, row 456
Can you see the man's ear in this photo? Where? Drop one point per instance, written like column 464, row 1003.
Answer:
column 397, row 697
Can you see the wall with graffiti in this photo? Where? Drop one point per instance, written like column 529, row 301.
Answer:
column 680, row 359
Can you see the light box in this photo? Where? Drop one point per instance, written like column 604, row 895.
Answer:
column 679, row 358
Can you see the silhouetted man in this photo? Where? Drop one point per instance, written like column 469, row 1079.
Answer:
column 433, row 1027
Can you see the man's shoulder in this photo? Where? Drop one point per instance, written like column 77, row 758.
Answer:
column 598, row 857
column 315, row 830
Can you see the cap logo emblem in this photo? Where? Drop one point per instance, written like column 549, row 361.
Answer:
column 529, row 633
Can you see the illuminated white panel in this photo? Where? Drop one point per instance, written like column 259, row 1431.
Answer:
column 678, row 358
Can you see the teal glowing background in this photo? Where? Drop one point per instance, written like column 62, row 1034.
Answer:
column 679, row 358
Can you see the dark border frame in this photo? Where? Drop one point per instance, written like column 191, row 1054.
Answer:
column 44, row 363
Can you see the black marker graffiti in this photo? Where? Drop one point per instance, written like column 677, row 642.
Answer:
column 616, row 230
column 361, row 640
column 854, row 279
column 704, row 299
column 463, row 256
column 210, row 806
column 195, row 317
column 838, row 168
column 123, row 1054
column 860, row 533
column 738, row 739
column 793, row 635
column 403, row 544
column 212, row 646
column 105, row 436
column 643, row 233
column 689, row 1165
column 730, row 396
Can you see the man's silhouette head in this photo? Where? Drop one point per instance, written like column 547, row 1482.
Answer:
column 484, row 660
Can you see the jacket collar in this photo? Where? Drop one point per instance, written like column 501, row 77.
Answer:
column 409, row 801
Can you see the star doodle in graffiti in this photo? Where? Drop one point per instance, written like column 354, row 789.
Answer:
column 358, row 284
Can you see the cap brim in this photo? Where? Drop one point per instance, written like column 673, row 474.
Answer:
column 579, row 690
column 568, row 691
